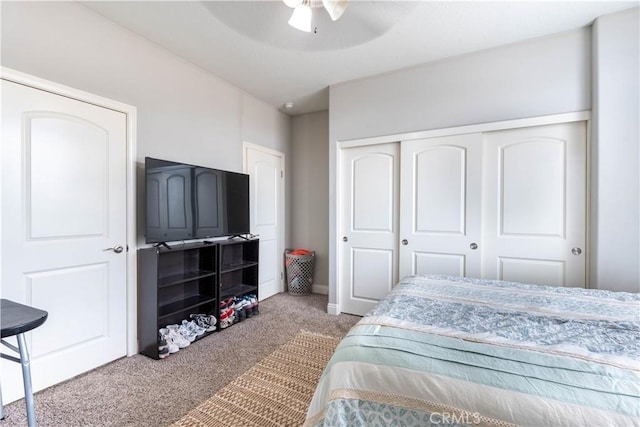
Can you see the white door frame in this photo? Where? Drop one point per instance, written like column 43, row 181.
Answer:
column 131, row 114
column 458, row 130
column 282, row 208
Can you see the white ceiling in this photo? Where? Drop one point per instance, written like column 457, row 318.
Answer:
column 250, row 45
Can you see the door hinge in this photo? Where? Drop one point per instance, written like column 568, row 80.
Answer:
column 281, row 275
column 281, row 174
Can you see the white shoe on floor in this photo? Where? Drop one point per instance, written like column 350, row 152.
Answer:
column 165, row 336
column 177, row 336
column 193, row 328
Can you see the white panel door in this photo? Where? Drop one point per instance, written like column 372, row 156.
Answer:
column 440, row 206
column 369, row 225
column 266, row 200
column 534, row 217
column 63, row 206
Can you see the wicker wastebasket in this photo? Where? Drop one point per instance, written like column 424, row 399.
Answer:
column 299, row 266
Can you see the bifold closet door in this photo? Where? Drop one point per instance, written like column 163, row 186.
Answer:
column 369, row 225
column 440, row 206
column 534, row 198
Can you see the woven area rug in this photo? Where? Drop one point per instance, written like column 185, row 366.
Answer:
column 275, row 392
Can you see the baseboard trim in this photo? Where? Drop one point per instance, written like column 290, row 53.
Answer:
column 333, row 309
column 320, row 289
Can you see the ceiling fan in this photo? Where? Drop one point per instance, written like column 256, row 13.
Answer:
column 301, row 16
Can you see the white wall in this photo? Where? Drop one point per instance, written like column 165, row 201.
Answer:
column 533, row 78
column 184, row 113
column 615, row 230
column 310, row 190
column 539, row 77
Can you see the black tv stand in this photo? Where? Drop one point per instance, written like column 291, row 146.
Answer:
column 163, row 244
column 193, row 278
column 238, row 235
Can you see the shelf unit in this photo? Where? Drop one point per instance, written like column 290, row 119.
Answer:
column 191, row 278
column 238, row 268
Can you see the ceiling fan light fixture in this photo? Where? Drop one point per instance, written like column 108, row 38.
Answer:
column 293, row 3
column 335, row 8
column 301, row 18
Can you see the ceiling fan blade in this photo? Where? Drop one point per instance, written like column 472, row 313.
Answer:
column 335, row 8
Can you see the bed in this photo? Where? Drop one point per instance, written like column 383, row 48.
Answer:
column 460, row 351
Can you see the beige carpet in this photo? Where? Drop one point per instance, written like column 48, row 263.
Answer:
column 275, row 392
column 141, row 392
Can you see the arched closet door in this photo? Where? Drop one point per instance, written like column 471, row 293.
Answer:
column 507, row 204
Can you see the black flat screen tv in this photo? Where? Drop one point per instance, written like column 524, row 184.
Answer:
column 188, row 202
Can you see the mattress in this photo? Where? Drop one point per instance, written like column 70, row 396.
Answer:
column 460, row 351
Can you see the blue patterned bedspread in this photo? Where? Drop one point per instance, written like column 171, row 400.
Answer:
column 459, row 351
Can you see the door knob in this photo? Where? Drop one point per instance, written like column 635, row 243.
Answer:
column 117, row 249
column 405, row 242
column 576, row 251
column 473, row 246
column 345, row 239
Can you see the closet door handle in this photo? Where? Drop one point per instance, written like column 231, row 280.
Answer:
column 473, row 246
column 405, row 242
column 345, row 239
